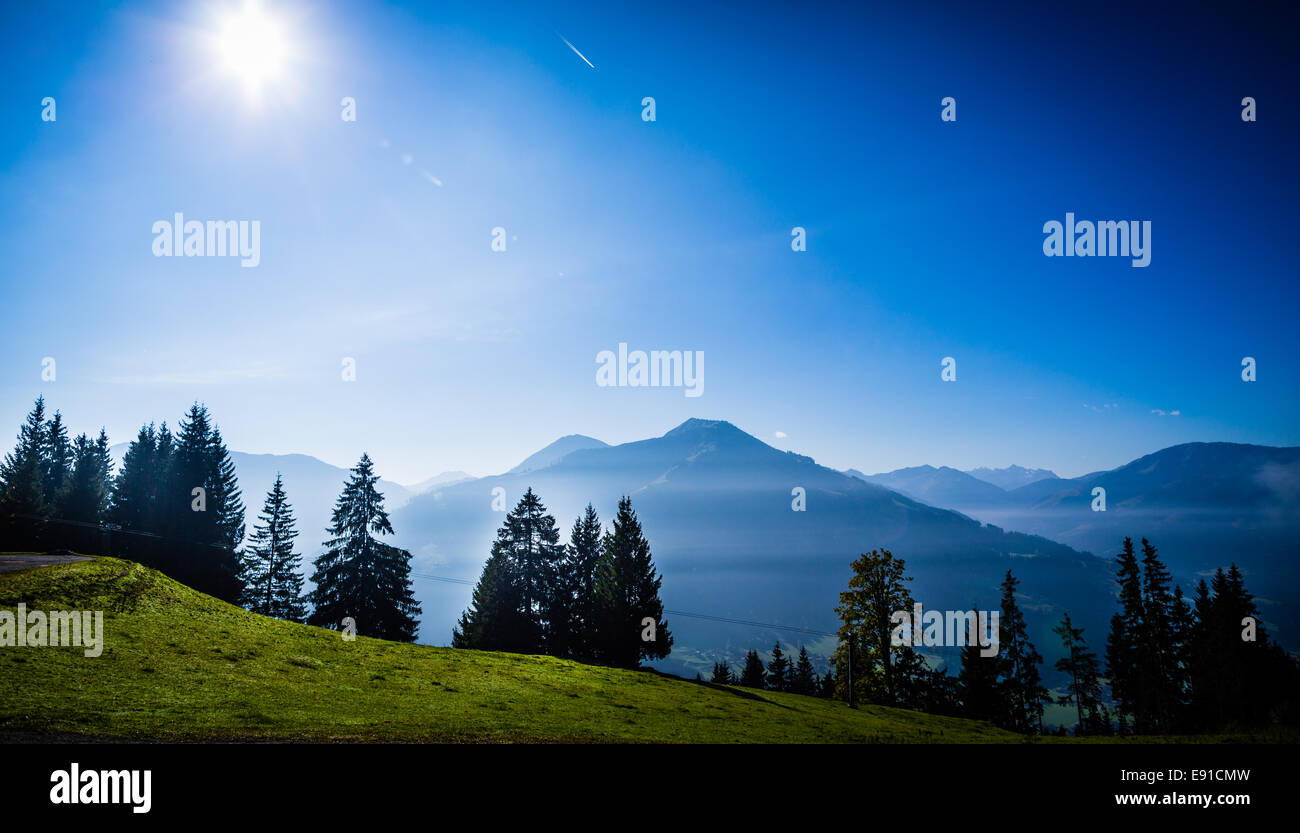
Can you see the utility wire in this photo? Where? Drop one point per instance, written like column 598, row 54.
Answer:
column 688, row 614
column 431, row 577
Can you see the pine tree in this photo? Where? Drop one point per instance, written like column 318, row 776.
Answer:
column 495, row 620
column 57, row 457
column 1019, row 681
column 722, row 674
column 627, row 595
column 132, row 501
column 537, row 555
column 200, row 506
column 977, row 685
column 1238, row 676
column 228, row 500
column 827, row 687
column 272, row 581
column 1204, row 652
column 526, row 573
column 581, row 560
column 359, row 576
column 778, row 670
column 1084, row 687
column 1160, row 647
column 85, row 501
column 753, row 675
column 1124, row 666
column 877, row 589
column 192, row 470
column 804, row 680
column 23, row 504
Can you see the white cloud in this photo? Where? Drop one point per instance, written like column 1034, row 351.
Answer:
column 780, row 435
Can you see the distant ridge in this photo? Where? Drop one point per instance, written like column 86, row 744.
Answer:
column 444, row 479
column 557, row 451
column 741, row 529
column 1012, row 477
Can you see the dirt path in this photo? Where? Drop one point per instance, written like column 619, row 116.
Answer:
column 27, row 560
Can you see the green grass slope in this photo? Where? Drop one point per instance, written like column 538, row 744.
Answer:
column 180, row 665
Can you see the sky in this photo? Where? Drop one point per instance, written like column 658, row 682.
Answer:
column 924, row 238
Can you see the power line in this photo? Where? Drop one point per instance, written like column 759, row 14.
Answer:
column 461, row 581
column 749, row 623
column 441, row 578
column 728, row 620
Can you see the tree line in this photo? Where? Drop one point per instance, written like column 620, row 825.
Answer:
column 1170, row 666
column 780, row 674
column 595, row 599
column 175, row 505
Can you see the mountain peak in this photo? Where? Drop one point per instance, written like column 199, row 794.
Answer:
column 694, row 425
column 1012, row 477
column 556, row 451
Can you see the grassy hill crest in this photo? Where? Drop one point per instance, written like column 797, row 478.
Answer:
column 180, row 665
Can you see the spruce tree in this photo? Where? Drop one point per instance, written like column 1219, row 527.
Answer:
column 1124, row 662
column 23, row 504
column 1019, row 680
column 57, row 456
column 1203, row 657
column 229, row 502
column 753, row 675
column 581, row 560
column 272, row 581
column 495, row 620
column 1238, row 676
column 721, row 674
column 804, row 679
column 528, row 571
column 1160, row 648
column 827, row 686
column 358, row 575
column 778, row 670
column 977, row 685
column 86, row 500
column 537, row 555
column 627, row 595
column 201, row 510
column 132, row 501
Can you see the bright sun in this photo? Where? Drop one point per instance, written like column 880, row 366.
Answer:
column 251, row 46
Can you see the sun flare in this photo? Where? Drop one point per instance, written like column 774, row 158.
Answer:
column 251, row 46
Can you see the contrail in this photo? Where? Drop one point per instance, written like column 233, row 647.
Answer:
column 575, row 50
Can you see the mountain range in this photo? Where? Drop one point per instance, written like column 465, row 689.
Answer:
column 719, row 508
column 1203, row 505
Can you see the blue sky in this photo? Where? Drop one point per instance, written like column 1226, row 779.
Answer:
column 924, row 237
